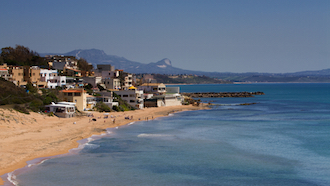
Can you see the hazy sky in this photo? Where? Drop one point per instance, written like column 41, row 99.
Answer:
column 207, row 35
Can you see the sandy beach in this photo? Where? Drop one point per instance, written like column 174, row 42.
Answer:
column 27, row 137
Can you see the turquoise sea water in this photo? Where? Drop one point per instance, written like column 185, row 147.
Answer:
column 283, row 139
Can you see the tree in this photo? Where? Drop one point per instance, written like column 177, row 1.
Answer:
column 84, row 66
column 21, row 56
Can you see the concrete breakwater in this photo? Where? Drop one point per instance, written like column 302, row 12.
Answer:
column 221, row 94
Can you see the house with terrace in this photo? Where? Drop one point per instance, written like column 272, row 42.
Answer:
column 77, row 96
column 154, row 88
column 132, row 96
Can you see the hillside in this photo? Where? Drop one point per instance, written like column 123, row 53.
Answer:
column 19, row 99
column 11, row 94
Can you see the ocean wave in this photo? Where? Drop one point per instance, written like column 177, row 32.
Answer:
column 91, row 146
column 144, row 135
column 11, row 177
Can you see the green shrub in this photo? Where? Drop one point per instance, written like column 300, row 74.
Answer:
column 117, row 108
column 36, row 105
column 102, row 107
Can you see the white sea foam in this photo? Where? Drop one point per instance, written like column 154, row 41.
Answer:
column 11, row 177
column 32, row 164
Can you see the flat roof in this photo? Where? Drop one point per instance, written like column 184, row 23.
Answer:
column 59, row 105
column 66, row 103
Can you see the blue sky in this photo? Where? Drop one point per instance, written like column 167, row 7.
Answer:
column 209, row 35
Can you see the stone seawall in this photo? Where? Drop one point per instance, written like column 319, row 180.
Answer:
column 221, row 94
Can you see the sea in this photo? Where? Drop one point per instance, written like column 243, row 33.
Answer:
column 281, row 138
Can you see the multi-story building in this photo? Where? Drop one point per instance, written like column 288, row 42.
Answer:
column 20, row 76
column 17, row 75
column 93, row 80
column 77, row 96
column 133, row 96
column 72, row 72
column 32, row 75
column 155, row 88
column 46, row 74
column 4, row 73
column 52, row 78
column 107, row 98
column 102, row 67
column 171, row 98
column 128, row 81
column 111, row 83
column 110, row 74
column 58, row 81
column 59, row 62
column 104, row 70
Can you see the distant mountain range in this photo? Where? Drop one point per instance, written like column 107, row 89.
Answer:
column 164, row 66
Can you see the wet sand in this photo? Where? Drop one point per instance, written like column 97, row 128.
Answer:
column 26, row 137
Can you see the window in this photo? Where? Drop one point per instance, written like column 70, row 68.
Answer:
column 131, row 101
column 125, row 96
column 77, row 94
column 70, row 94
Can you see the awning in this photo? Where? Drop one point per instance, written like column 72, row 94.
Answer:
column 132, row 87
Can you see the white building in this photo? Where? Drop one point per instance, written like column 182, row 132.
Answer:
column 52, row 78
column 171, row 98
column 133, row 96
column 62, row 109
column 155, row 88
column 58, row 81
column 4, row 73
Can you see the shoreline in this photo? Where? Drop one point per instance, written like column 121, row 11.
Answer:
column 44, row 136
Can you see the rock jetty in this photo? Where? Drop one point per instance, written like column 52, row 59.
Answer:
column 221, row 94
